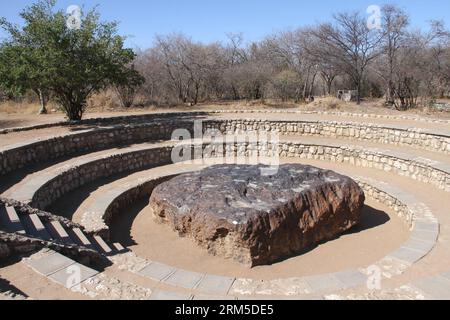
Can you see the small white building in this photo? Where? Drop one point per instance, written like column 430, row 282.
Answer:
column 347, row 95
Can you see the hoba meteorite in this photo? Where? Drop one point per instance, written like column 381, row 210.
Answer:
column 236, row 212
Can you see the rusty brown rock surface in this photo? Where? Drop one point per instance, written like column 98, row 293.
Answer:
column 236, row 212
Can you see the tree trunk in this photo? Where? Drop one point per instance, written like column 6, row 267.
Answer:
column 305, row 86
column 311, row 88
column 358, row 94
column 329, row 85
column 390, row 99
column 43, row 101
column 73, row 108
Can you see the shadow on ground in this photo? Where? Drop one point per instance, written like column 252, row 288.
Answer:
column 121, row 224
column 371, row 218
column 68, row 204
column 6, row 286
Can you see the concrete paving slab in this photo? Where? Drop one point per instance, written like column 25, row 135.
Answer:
column 419, row 245
column 73, row 275
column 185, row 279
column 426, row 226
column 423, row 235
column 407, row 255
column 157, row 271
column 215, row 285
column 351, row 278
column 324, row 283
column 50, row 264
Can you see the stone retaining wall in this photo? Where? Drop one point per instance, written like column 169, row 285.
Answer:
column 369, row 132
column 369, row 159
column 340, row 114
column 125, row 200
column 19, row 156
column 81, row 175
column 389, row 200
column 152, row 117
column 132, row 119
column 12, row 244
column 16, row 157
column 78, row 176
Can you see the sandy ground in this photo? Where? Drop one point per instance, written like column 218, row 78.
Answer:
column 35, row 285
column 379, row 233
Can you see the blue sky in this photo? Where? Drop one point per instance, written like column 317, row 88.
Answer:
column 210, row 20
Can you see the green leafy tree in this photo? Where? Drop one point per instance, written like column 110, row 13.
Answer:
column 22, row 59
column 69, row 57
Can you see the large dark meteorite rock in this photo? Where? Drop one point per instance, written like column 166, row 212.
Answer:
column 236, row 212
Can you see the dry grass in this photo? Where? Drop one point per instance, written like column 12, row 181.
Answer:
column 26, row 107
column 330, row 103
column 107, row 102
column 12, row 107
column 104, row 101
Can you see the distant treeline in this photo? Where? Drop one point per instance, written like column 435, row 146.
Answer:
column 392, row 60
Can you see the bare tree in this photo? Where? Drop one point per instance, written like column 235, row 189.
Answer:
column 349, row 44
column 395, row 36
column 397, row 62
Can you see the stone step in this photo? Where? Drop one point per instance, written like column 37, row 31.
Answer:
column 57, row 232
column 101, row 245
column 9, row 220
column 78, row 236
column 118, row 247
column 34, row 227
column 60, row 269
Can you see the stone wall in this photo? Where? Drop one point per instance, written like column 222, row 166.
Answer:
column 81, row 175
column 389, row 200
column 153, row 157
column 369, row 159
column 155, row 116
column 16, row 157
column 126, row 199
column 353, row 131
column 19, row 156
column 134, row 119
